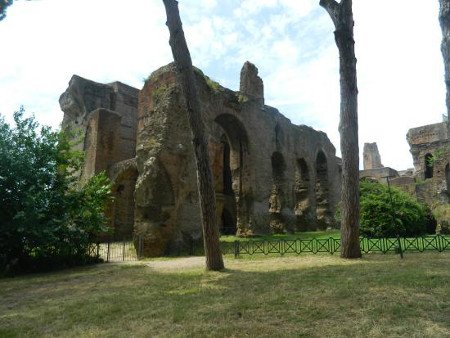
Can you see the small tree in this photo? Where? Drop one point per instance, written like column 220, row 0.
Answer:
column 207, row 196
column 46, row 219
column 342, row 16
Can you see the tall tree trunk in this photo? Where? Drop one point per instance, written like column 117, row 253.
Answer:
column 444, row 20
column 207, row 197
column 342, row 16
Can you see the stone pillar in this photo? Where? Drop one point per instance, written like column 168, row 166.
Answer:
column 101, row 142
column 251, row 84
column 371, row 156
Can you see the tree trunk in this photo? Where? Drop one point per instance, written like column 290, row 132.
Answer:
column 207, row 197
column 342, row 16
column 444, row 19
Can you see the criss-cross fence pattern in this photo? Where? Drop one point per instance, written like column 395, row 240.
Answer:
column 131, row 250
column 332, row 245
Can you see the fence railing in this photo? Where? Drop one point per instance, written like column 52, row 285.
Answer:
column 131, row 250
column 331, row 245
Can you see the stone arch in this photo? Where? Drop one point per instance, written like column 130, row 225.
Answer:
column 322, row 191
column 428, row 165
column 234, row 188
column 277, row 195
column 122, row 207
column 302, row 193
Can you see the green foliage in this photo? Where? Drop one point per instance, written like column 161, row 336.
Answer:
column 442, row 215
column 379, row 218
column 437, row 155
column 46, row 218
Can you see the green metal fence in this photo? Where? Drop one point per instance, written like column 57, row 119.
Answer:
column 131, row 250
column 331, row 245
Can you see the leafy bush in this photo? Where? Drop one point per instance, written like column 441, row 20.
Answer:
column 46, row 219
column 378, row 218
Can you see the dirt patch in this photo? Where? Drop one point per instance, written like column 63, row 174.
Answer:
column 177, row 263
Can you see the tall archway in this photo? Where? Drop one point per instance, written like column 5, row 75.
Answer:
column 235, row 148
column 322, row 191
column 301, row 193
column 429, row 166
column 228, row 215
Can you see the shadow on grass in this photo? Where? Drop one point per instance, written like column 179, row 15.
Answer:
column 378, row 296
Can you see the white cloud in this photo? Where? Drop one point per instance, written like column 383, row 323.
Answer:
column 400, row 72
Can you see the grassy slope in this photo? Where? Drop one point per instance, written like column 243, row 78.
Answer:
column 321, row 296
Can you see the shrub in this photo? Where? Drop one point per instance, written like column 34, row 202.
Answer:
column 46, row 219
column 379, row 218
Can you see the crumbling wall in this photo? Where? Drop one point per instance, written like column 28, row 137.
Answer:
column 103, row 121
column 269, row 174
column 430, row 151
column 371, row 156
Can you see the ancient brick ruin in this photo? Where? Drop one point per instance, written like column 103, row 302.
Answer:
column 270, row 175
column 430, row 151
column 429, row 180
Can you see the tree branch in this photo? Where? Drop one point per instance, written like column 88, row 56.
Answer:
column 332, row 7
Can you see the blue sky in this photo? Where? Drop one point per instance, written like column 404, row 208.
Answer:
column 400, row 70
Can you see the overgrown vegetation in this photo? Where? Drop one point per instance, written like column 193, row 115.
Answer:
column 46, row 219
column 442, row 215
column 308, row 296
column 435, row 157
column 382, row 217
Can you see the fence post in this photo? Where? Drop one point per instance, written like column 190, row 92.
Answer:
column 107, row 252
column 440, row 243
column 236, row 249
column 98, row 250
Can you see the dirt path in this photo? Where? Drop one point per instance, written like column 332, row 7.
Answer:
column 177, row 263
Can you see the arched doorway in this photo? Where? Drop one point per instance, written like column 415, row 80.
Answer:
column 322, row 191
column 232, row 192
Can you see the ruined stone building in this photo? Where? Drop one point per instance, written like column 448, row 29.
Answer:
column 429, row 146
column 269, row 174
column 429, row 180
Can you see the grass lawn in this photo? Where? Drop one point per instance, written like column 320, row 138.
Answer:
column 297, row 235
column 306, row 296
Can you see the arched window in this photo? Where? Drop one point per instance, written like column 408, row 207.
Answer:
column 429, row 164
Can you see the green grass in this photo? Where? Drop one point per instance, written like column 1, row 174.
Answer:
column 297, row 235
column 304, row 296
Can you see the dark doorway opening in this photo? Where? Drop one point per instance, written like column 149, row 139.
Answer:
column 429, row 166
